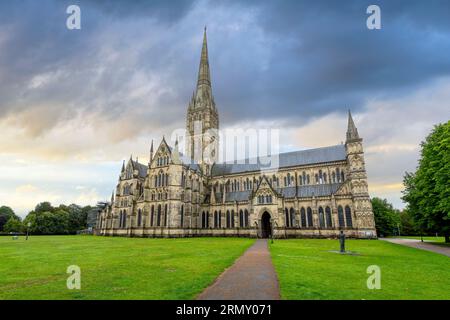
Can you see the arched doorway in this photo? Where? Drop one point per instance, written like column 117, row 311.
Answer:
column 266, row 227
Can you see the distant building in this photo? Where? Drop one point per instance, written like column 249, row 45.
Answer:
column 313, row 193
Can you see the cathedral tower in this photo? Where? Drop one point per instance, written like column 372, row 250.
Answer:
column 202, row 121
column 358, row 179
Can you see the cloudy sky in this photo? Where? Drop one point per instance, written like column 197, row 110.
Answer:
column 75, row 103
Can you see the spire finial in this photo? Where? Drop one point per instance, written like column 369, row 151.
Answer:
column 352, row 131
column 151, row 154
column 204, row 78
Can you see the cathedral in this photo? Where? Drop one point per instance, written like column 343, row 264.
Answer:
column 313, row 193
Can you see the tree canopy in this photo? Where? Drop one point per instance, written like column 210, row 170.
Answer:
column 427, row 191
column 387, row 219
column 46, row 219
column 6, row 213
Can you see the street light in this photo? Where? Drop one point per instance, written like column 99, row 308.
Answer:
column 28, row 227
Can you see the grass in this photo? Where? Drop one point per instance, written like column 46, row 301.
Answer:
column 433, row 240
column 307, row 270
column 134, row 268
column 425, row 238
column 113, row 268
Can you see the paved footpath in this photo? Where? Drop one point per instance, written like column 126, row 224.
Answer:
column 251, row 277
column 414, row 243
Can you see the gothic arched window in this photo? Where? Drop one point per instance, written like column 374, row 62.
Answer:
column 158, row 217
column 286, row 217
column 348, row 217
column 228, row 219
column 328, row 217
column 292, row 217
column 341, row 217
column 152, row 213
column 321, row 218
column 303, row 217
column 245, row 218
column 216, row 220
column 139, row 221
column 232, row 218
column 241, row 218
column 182, row 216
column 310, row 217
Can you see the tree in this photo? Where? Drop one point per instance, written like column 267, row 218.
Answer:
column 407, row 223
column 46, row 219
column 47, row 222
column 427, row 191
column 387, row 218
column 6, row 213
column 13, row 225
column 44, row 207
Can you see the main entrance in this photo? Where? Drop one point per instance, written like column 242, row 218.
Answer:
column 266, row 228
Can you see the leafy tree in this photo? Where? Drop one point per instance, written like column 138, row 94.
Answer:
column 43, row 207
column 13, row 225
column 427, row 191
column 407, row 223
column 76, row 217
column 46, row 219
column 387, row 218
column 48, row 222
column 6, row 213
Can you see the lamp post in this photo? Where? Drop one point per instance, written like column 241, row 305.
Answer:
column 28, row 228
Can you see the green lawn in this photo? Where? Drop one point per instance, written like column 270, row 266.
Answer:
column 429, row 239
column 113, row 268
column 307, row 270
column 425, row 238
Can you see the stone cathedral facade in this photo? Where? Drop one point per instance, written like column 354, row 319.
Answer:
column 311, row 193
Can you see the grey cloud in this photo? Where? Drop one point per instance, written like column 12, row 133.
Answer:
column 285, row 60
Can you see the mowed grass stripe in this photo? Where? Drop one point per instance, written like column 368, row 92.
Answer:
column 114, row 268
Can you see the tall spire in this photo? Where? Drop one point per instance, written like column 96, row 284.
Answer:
column 203, row 94
column 204, row 77
column 352, row 132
